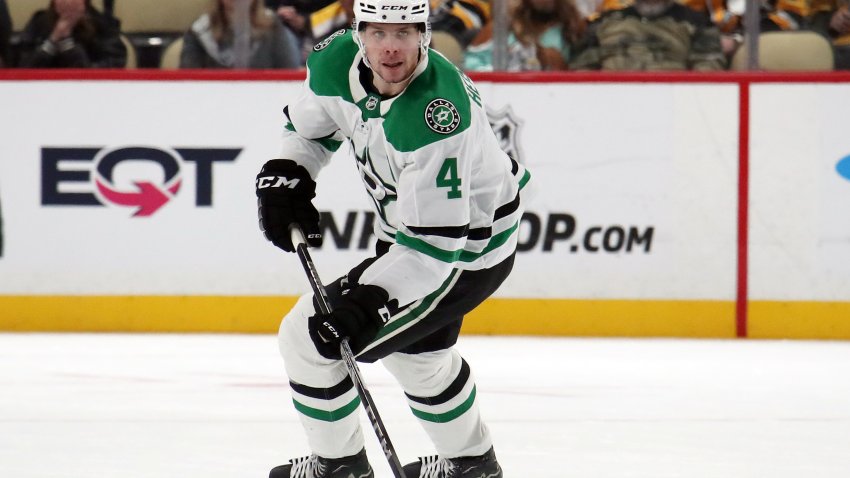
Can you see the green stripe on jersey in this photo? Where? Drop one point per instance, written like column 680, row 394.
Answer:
column 327, row 416
column 416, row 312
column 330, row 144
column 454, row 256
column 524, row 179
column 449, row 415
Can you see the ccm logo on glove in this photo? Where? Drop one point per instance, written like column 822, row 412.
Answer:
column 276, row 182
column 359, row 313
column 329, row 328
column 285, row 193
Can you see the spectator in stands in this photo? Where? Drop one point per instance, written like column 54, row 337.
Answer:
column 543, row 36
column 784, row 15
column 313, row 20
column 652, row 35
column 829, row 18
column 5, row 33
column 210, row 42
column 72, row 34
column 729, row 24
column 463, row 20
column 832, row 19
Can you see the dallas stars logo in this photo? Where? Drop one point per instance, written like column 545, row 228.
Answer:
column 442, row 116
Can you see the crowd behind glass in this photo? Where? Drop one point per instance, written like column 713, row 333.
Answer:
column 539, row 35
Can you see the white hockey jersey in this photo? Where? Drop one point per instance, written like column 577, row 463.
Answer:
column 445, row 195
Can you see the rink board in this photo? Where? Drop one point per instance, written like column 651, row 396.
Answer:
column 633, row 230
column 799, row 202
column 548, row 317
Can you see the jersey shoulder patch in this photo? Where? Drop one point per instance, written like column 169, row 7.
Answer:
column 325, row 62
column 436, row 106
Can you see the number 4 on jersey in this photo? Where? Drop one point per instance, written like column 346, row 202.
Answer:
column 447, row 178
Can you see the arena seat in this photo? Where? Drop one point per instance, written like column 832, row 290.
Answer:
column 448, row 46
column 132, row 58
column 171, row 55
column 789, row 51
column 22, row 10
column 144, row 16
column 136, row 16
column 153, row 25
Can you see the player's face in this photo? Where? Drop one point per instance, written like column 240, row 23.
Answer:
column 393, row 52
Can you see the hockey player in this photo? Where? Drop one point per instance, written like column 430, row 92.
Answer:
column 448, row 207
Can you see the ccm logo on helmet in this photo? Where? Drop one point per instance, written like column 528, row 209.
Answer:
column 394, row 7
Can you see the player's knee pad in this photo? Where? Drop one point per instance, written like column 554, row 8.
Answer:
column 424, row 374
column 293, row 336
column 304, row 365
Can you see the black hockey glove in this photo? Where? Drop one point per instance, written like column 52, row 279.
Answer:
column 359, row 314
column 284, row 197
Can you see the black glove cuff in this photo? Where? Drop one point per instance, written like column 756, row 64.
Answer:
column 371, row 300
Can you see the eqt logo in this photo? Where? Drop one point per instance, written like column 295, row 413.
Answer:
column 149, row 177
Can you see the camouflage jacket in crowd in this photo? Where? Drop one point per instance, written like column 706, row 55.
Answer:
column 678, row 39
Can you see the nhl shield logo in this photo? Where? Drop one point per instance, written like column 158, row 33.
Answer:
column 442, row 116
column 506, row 124
column 371, row 103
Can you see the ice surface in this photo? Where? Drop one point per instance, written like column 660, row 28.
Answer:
column 209, row 406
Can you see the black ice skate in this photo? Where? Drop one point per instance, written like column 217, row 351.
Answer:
column 355, row 466
column 483, row 466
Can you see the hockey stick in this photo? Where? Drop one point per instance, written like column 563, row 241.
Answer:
column 347, row 356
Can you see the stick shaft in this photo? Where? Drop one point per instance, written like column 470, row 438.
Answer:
column 348, row 357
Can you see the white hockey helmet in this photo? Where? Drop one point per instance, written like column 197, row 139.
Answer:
column 392, row 11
